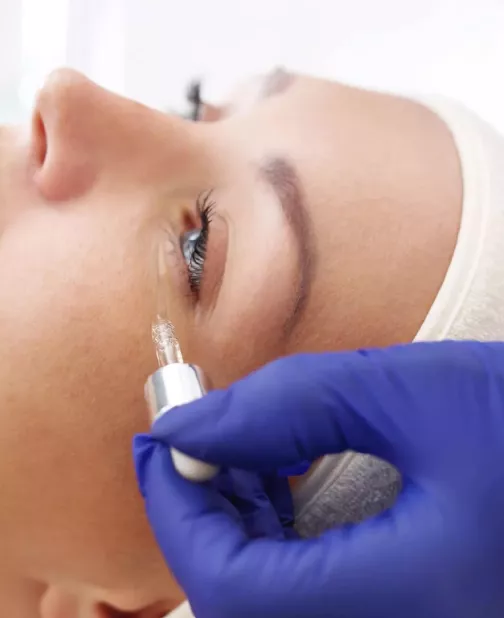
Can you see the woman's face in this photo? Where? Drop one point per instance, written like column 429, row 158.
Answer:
column 96, row 200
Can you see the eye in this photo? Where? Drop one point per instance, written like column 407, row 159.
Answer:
column 188, row 244
column 193, row 243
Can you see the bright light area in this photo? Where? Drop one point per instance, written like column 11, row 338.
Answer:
column 150, row 49
column 43, row 42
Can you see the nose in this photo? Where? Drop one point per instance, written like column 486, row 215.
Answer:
column 81, row 131
column 62, row 138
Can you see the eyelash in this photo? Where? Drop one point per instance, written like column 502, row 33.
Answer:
column 196, row 264
column 193, row 97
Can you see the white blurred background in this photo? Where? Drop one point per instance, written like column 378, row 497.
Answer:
column 150, row 49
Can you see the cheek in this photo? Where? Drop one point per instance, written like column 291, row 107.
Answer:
column 74, row 326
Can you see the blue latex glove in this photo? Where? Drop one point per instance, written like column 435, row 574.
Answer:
column 436, row 411
column 261, row 504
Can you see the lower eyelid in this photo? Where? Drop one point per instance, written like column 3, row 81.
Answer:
column 176, row 270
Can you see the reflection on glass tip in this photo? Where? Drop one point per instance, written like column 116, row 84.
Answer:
column 166, row 343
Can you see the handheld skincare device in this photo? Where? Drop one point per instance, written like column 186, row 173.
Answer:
column 174, row 384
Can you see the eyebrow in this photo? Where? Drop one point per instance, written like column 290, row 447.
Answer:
column 276, row 82
column 282, row 177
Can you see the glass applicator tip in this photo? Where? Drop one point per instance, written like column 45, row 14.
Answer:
column 174, row 384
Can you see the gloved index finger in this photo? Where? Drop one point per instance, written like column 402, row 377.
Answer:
column 296, row 409
column 382, row 402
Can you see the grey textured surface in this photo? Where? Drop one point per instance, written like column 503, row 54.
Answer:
column 365, row 487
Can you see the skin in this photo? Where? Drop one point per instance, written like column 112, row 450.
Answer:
column 91, row 195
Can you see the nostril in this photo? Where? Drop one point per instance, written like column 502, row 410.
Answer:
column 39, row 137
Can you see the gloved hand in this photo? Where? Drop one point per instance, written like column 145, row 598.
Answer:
column 261, row 504
column 435, row 411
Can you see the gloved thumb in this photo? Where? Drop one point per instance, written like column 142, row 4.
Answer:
column 294, row 409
